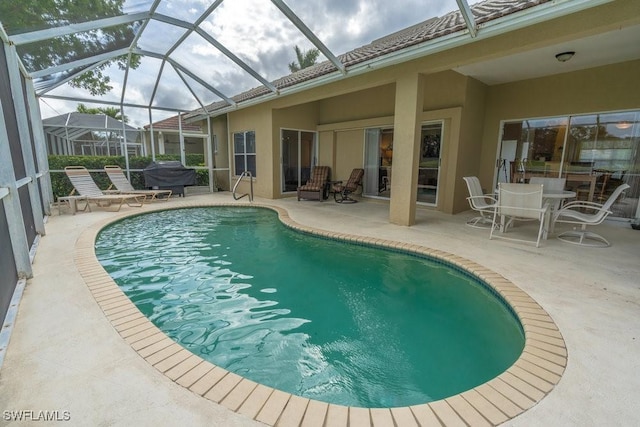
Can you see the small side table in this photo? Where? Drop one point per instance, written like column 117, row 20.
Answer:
column 328, row 188
column 72, row 203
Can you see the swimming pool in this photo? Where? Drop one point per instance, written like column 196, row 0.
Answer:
column 354, row 323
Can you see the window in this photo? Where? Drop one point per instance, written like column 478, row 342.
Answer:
column 244, row 149
column 594, row 152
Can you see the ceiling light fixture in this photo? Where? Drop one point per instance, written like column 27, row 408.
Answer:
column 565, row 56
column 623, row 125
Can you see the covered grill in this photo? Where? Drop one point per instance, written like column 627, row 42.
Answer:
column 169, row 175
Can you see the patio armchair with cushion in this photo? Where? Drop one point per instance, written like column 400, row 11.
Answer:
column 315, row 187
column 344, row 190
column 122, row 184
column 85, row 186
column 584, row 213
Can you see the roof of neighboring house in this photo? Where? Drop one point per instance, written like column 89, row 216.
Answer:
column 424, row 32
column 77, row 125
column 171, row 123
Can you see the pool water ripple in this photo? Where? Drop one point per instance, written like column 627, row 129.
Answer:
column 326, row 320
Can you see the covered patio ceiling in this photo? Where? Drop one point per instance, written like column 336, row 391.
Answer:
column 187, row 61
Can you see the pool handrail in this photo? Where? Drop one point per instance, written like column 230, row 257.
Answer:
column 250, row 194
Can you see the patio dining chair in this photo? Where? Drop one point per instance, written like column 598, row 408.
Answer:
column 519, row 202
column 344, row 190
column 315, row 187
column 122, row 184
column 550, row 184
column 482, row 203
column 584, row 213
column 84, row 185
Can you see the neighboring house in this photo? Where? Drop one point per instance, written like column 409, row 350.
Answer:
column 83, row 134
column 175, row 136
column 166, row 137
column 421, row 108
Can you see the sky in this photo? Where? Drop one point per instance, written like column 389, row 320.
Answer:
column 255, row 31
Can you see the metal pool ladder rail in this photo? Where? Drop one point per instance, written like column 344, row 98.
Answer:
column 250, row 194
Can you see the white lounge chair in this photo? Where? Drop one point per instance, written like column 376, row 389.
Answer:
column 482, row 203
column 584, row 213
column 519, row 202
column 122, row 184
column 85, row 186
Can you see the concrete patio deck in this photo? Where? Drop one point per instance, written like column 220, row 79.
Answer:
column 65, row 355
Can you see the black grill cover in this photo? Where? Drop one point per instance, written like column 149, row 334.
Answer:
column 164, row 174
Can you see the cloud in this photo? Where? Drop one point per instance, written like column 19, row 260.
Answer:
column 257, row 33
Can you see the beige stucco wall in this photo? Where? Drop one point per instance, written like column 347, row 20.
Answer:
column 406, row 148
column 608, row 88
column 258, row 118
column 470, row 110
column 327, row 141
column 356, row 105
column 349, row 152
column 220, row 134
column 458, row 101
column 302, row 117
column 467, row 158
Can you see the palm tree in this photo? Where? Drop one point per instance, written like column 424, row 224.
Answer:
column 107, row 111
column 115, row 113
column 305, row 59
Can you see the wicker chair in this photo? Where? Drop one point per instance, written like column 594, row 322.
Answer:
column 315, row 187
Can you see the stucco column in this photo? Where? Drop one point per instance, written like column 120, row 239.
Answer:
column 406, row 149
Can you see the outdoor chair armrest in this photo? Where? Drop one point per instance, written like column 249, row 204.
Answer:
column 582, row 204
column 488, row 199
column 590, row 210
column 491, row 197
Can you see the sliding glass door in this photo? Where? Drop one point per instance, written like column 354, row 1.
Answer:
column 299, row 155
column 594, row 152
column 378, row 158
column 429, row 166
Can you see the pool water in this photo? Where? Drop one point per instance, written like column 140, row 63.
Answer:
column 319, row 318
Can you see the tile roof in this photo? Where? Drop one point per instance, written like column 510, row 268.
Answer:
column 171, row 123
column 426, row 31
